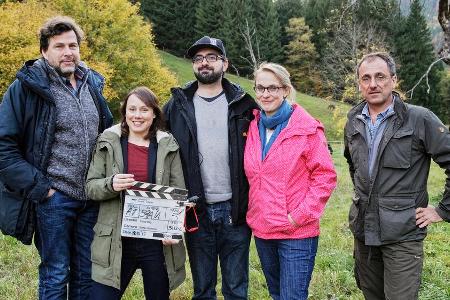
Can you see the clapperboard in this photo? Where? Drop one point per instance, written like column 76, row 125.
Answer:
column 154, row 211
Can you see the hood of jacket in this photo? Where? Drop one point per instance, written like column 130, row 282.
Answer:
column 34, row 75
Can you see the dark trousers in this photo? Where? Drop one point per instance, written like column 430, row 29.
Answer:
column 390, row 271
column 217, row 238
column 143, row 254
column 64, row 234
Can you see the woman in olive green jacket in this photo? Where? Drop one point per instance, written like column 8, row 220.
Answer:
column 118, row 149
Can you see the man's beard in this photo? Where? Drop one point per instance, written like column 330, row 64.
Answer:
column 67, row 72
column 209, row 78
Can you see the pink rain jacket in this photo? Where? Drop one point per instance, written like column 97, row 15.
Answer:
column 297, row 176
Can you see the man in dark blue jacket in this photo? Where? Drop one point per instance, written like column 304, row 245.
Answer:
column 210, row 118
column 51, row 116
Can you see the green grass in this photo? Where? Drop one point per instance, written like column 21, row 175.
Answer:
column 333, row 272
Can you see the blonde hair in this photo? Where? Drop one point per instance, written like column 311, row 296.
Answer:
column 281, row 74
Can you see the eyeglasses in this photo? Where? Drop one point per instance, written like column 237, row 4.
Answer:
column 198, row 59
column 259, row 89
column 379, row 79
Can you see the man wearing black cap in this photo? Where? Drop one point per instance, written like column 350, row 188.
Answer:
column 209, row 118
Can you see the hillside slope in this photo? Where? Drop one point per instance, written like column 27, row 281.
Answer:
column 319, row 108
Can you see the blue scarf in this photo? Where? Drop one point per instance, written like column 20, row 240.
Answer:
column 278, row 121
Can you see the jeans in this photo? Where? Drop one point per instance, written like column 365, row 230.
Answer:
column 217, row 238
column 287, row 266
column 143, row 254
column 390, row 271
column 63, row 238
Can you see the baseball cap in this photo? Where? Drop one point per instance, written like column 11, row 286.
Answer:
column 206, row 42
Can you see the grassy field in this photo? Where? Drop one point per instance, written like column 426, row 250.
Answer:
column 333, row 275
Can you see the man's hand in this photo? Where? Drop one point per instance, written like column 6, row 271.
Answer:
column 122, row 182
column 426, row 216
column 50, row 192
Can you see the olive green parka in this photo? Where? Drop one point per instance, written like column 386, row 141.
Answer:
column 106, row 248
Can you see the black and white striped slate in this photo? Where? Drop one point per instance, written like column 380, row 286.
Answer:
column 156, row 195
column 160, row 188
column 162, row 236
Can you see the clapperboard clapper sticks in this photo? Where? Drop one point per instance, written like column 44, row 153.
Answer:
column 154, row 211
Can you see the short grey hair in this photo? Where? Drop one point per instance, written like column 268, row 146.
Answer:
column 384, row 56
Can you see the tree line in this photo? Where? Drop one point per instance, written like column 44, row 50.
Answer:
column 320, row 41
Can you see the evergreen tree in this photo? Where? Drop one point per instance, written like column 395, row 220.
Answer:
column 444, row 93
column 268, row 31
column 317, row 14
column 415, row 53
column 209, row 18
column 236, row 14
column 173, row 21
column 384, row 15
column 287, row 9
column 301, row 55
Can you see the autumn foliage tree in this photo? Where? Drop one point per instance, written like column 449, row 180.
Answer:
column 301, row 56
column 118, row 44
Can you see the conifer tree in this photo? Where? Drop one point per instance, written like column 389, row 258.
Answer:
column 236, row 14
column 209, row 18
column 287, row 9
column 268, row 31
column 317, row 14
column 415, row 53
column 173, row 22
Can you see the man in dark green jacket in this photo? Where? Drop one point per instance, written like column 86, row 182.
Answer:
column 389, row 145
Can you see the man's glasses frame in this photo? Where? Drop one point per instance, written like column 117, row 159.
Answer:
column 198, row 59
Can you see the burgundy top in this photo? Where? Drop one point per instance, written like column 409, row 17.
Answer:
column 138, row 162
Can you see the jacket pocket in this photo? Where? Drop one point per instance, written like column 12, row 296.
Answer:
column 101, row 246
column 398, row 150
column 397, row 218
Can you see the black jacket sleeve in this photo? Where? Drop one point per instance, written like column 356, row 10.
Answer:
column 17, row 174
column 166, row 112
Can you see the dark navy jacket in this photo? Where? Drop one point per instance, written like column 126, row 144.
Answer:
column 27, row 128
column 180, row 117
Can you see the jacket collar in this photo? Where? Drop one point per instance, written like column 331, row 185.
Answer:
column 116, row 133
column 399, row 108
column 233, row 91
column 34, row 74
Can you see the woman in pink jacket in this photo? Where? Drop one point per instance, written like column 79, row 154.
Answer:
column 291, row 176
